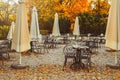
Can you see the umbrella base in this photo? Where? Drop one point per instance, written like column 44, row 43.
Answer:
column 111, row 50
column 113, row 66
column 19, row 66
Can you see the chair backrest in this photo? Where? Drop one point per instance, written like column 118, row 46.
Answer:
column 33, row 44
column 102, row 41
column 73, row 43
column 69, row 51
column 85, row 51
column 92, row 44
column 5, row 42
column 82, row 43
column 4, row 46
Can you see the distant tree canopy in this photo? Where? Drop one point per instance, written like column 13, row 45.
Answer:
column 67, row 11
column 102, row 7
column 71, row 8
column 90, row 23
column 7, row 13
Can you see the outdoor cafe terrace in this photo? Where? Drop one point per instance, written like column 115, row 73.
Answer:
column 48, row 64
column 80, row 40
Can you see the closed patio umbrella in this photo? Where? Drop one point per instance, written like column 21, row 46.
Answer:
column 21, row 37
column 11, row 31
column 56, row 31
column 113, row 27
column 34, row 31
column 76, row 30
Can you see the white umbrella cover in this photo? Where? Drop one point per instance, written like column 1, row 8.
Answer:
column 76, row 30
column 56, row 31
column 113, row 26
column 11, row 31
column 21, row 37
column 34, row 32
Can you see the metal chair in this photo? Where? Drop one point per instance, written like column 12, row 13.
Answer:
column 4, row 50
column 69, row 53
column 93, row 45
column 38, row 47
column 86, row 55
column 101, row 42
column 33, row 46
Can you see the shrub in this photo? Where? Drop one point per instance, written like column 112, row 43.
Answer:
column 3, row 31
column 92, row 23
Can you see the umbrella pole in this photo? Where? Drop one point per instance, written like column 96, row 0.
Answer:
column 116, row 58
column 19, row 66
column 116, row 65
column 20, row 58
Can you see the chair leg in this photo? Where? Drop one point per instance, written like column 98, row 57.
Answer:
column 75, row 59
column 64, row 63
column 47, row 50
column 1, row 56
column 8, row 55
column 2, row 61
column 88, row 63
column 31, row 50
column 8, row 51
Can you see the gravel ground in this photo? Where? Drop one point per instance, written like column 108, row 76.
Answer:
column 48, row 66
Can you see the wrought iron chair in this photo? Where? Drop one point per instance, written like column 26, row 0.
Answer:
column 86, row 55
column 69, row 53
column 93, row 45
column 101, row 42
column 4, row 50
column 38, row 47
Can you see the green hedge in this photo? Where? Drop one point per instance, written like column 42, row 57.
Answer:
column 92, row 23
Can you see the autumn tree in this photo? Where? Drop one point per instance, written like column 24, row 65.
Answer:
column 102, row 7
column 71, row 8
column 95, row 20
column 45, row 10
column 45, row 7
column 7, row 15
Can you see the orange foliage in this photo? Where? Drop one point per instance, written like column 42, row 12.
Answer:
column 71, row 9
column 103, row 8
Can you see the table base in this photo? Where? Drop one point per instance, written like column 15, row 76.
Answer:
column 77, row 66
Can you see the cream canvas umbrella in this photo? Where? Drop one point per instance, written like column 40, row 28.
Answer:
column 21, row 37
column 11, row 31
column 34, row 31
column 56, row 31
column 76, row 30
column 113, row 27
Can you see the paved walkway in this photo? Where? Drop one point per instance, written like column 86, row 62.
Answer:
column 48, row 67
